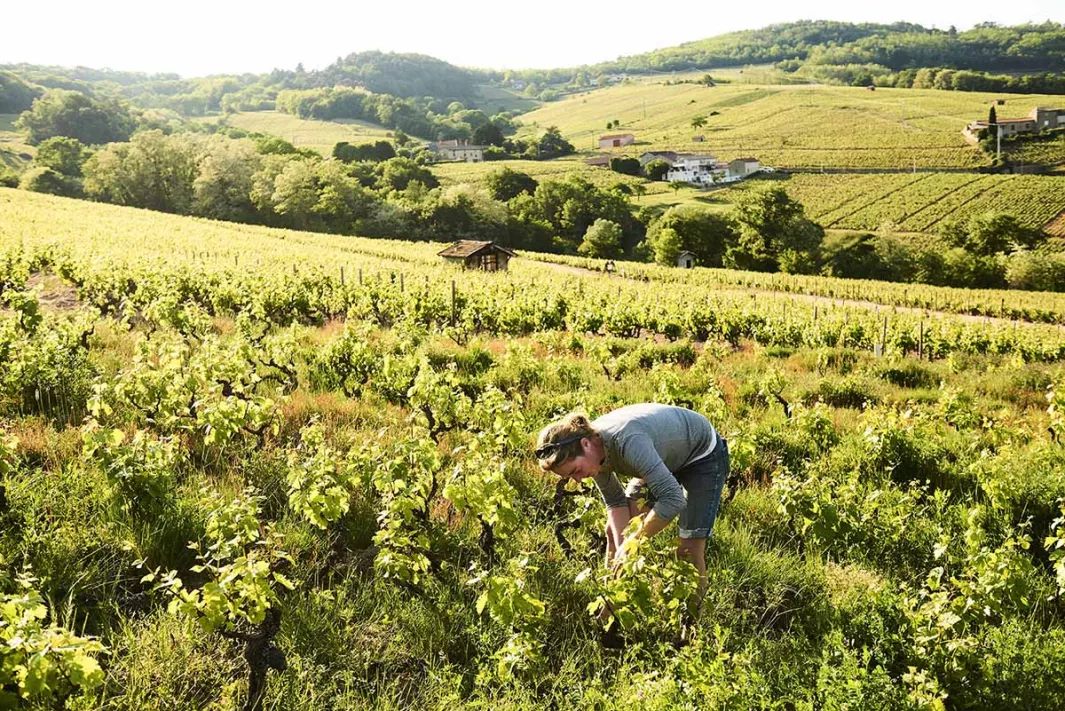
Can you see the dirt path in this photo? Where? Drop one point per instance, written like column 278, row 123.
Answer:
column 815, row 299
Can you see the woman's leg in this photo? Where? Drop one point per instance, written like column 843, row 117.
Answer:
column 693, row 550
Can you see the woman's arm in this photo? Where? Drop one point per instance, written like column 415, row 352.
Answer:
column 616, row 520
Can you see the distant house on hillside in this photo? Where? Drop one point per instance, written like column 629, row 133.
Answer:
column 707, row 170
column 518, row 84
column 698, row 139
column 472, row 254
column 667, row 156
column 616, row 140
column 1038, row 119
column 598, row 161
column 743, row 166
column 458, row 150
column 686, row 259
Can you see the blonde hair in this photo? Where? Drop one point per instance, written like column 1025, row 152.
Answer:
column 572, row 425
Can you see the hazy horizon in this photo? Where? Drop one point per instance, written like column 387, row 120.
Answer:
column 202, row 39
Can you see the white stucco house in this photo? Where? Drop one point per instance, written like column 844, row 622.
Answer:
column 706, row 170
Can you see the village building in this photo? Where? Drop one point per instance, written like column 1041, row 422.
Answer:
column 1039, row 119
column 743, row 166
column 472, row 254
column 698, row 139
column 598, row 161
column 686, row 259
column 706, row 170
column 667, row 156
column 458, row 150
column 616, row 140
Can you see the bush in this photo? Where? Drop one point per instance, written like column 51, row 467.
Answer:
column 46, row 180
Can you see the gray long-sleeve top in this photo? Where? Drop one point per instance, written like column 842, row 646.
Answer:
column 651, row 441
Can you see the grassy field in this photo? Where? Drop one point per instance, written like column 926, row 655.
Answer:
column 474, row 173
column 317, row 135
column 493, row 99
column 786, row 126
column 14, row 154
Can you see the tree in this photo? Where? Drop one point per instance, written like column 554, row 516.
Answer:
column 698, row 121
column 772, row 226
column 553, row 145
column 70, row 113
column 992, row 116
column 46, row 180
column 222, row 189
column 505, row 184
column 373, row 152
column 152, row 170
column 656, row 170
column 993, row 233
column 63, row 155
column 625, row 166
column 295, row 193
column 666, row 245
column 602, row 240
column 488, row 134
column 397, row 174
column 706, row 234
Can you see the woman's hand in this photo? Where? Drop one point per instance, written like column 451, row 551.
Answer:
column 616, row 521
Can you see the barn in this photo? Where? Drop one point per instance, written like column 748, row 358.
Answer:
column 472, row 254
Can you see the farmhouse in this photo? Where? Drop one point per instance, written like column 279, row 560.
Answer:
column 667, row 156
column 472, row 254
column 743, row 166
column 1038, row 119
column 708, row 170
column 458, row 150
column 686, row 259
column 616, row 140
column 598, row 161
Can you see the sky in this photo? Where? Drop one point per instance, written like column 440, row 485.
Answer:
column 201, row 37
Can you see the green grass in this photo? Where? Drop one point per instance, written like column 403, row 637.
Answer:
column 317, row 135
column 14, row 154
column 786, row 126
column 474, row 173
column 493, row 99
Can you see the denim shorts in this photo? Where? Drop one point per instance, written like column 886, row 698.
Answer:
column 703, row 482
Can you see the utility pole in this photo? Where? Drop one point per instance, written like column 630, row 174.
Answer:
column 998, row 141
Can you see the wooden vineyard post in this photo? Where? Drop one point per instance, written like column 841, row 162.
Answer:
column 342, row 275
column 360, row 276
column 293, row 267
column 401, row 282
column 236, row 260
column 920, row 341
column 452, row 302
column 883, row 338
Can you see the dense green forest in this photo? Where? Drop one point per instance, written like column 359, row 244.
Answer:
column 399, row 75
column 842, row 52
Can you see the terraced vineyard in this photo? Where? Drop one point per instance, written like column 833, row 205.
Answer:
column 917, row 202
column 1049, row 151
column 236, row 476
column 787, row 126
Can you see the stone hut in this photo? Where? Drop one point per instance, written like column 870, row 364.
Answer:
column 686, row 259
column 472, row 254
